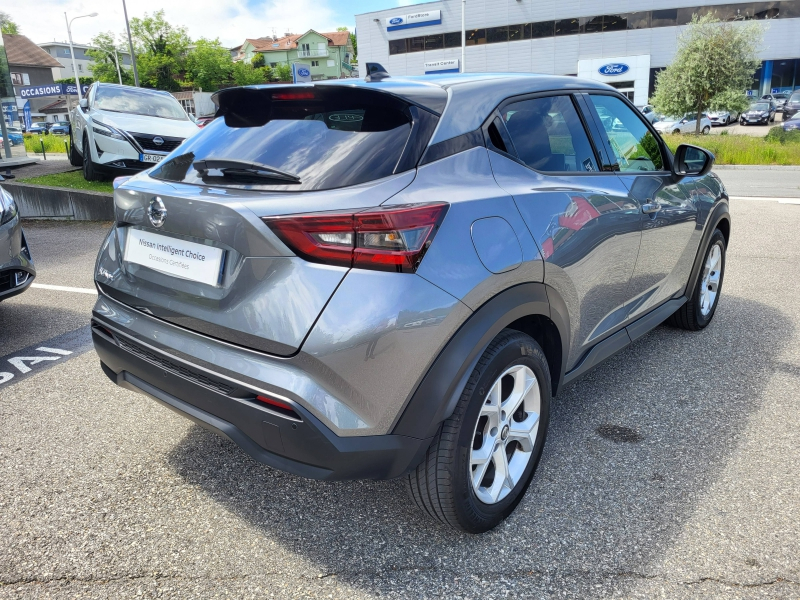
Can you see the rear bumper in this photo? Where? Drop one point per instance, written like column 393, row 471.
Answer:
column 301, row 445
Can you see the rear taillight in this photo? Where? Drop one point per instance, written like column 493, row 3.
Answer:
column 386, row 239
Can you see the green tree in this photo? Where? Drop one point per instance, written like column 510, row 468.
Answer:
column 244, row 73
column 283, row 72
column 104, row 60
column 161, row 51
column 7, row 25
column 712, row 68
column 208, row 65
column 258, row 60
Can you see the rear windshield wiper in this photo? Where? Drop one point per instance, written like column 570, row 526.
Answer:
column 244, row 169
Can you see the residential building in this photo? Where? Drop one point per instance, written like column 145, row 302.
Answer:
column 621, row 42
column 60, row 51
column 328, row 54
column 29, row 66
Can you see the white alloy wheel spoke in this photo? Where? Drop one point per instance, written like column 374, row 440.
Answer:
column 524, row 432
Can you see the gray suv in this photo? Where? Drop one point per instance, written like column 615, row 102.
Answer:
column 16, row 265
column 395, row 277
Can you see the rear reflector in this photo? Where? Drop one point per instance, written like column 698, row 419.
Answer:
column 387, row 239
column 279, row 406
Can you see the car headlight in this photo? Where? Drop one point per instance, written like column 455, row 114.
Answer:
column 8, row 208
column 107, row 130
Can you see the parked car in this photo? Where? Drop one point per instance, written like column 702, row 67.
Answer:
column 777, row 99
column 203, row 121
column 723, row 117
column 17, row 271
column 375, row 279
column 649, row 113
column 792, row 123
column 759, row 113
column 119, row 129
column 39, row 128
column 684, row 124
column 792, row 106
column 60, row 128
column 15, row 136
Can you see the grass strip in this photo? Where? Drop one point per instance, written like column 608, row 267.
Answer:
column 70, row 179
column 743, row 149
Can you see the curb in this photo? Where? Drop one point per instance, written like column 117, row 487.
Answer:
column 756, row 168
column 44, row 202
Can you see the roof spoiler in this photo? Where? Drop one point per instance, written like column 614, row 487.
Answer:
column 376, row 72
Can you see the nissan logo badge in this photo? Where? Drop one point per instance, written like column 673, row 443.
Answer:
column 157, row 212
column 158, row 140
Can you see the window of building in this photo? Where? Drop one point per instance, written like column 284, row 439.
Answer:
column 634, row 146
column 18, row 78
column 517, row 32
column 766, row 10
column 496, row 34
column 397, row 47
column 452, row 40
column 548, row 135
column 790, row 9
column 476, row 36
column 568, row 27
column 591, row 24
column 664, row 18
column 416, row 44
column 66, row 51
column 685, row 14
column 543, row 29
column 615, row 23
column 80, row 67
column 638, row 20
column 331, row 63
column 434, row 42
column 314, row 63
column 783, row 75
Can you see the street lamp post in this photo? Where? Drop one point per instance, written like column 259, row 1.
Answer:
column 130, row 43
column 116, row 57
column 72, row 51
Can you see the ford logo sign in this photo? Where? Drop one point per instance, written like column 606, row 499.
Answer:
column 612, row 69
column 396, row 21
column 303, row 72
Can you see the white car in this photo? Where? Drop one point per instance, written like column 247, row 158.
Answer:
column 723, row 117
column 685, row 124
column 649, row 112
column 121, row 130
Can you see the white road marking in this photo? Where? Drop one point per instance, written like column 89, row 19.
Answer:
column 18, row 361
column 55, row 351
column 766, row 199
column 62, row 288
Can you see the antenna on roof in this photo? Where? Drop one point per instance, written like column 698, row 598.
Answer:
column 376, row 72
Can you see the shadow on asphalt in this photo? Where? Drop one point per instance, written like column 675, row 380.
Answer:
column 599, row 505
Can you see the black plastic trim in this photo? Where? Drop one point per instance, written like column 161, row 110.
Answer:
column 718, row 212
column 436, row 396
column 306, row 448
column 461, row 143
column 597, row 354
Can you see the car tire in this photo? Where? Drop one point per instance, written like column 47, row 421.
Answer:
column 89, row 173
column 442, row 484
column 675, row 131
column 706, row 129
column 75, row 159
column 698, row 311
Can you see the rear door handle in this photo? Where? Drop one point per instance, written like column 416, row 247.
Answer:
column 650, row 208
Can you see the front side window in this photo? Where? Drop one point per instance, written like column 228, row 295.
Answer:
column 634, row 146
column 548, row 135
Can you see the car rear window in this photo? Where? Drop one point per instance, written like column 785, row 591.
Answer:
column 323, row 137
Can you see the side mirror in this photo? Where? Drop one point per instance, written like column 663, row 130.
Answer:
column 691, row 161
column 83, row 103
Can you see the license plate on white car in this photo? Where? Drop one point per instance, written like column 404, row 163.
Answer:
column 173, row 256
column 151, row 158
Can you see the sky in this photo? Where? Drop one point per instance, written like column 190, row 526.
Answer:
column 229, row 20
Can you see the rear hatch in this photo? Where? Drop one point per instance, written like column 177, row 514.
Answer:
column 191, row 246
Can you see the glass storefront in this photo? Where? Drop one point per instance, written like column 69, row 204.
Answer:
column 13, row 144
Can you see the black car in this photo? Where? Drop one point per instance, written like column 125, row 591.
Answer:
column 777, row 99
column 792, row 106
column 759, row 113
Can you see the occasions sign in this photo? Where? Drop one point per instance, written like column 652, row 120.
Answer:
column 420, row 19
column 50, row 89
column 612, row 69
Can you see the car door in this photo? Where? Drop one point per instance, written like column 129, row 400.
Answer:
column 583, row 218
column 79, row 119
column 669, row 214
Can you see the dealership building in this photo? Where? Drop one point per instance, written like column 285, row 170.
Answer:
column 613, row 41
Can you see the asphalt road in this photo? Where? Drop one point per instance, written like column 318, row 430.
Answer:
column 777, row 182
column 106, row 494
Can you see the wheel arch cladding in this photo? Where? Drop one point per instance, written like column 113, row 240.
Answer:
column 718, row 218
column 531, row 308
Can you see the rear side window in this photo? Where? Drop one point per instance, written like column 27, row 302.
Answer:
column 634, row 146
column 310, row 138
column 548, row 135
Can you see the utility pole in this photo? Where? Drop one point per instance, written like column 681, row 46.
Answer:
column 130, row 44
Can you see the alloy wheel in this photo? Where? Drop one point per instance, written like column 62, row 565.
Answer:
column 712, row 272
column 505, row 434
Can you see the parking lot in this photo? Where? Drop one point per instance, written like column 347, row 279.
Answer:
column 669, row 472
